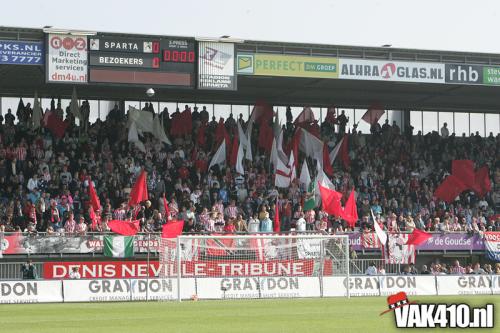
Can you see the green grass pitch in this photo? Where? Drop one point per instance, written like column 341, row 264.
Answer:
column 359, row 314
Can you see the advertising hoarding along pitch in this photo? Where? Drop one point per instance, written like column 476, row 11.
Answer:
column 216, row 66
column 15, row 52
column 66, row 60
column 287, row 65
column 149, row 61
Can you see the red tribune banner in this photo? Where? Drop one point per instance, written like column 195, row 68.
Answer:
column 140, row 269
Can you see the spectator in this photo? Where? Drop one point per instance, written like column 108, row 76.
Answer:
column 372, row 269
column 445, row 133
column 477, row 269
column 74, row 274
column 424, row 270
column 28, row 270
column 254, row 224
column 457, row 269
column 300, row 225
column 342, row 120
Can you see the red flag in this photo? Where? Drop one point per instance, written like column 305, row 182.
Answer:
column 266, row 136
column 350, row 213
column 327, row 165
column 220, row 132
column 93, row 218
column 139, row 192
column 417, row 237
column 344, row 152
column 464, row 170
column 94, row 199
column 55, row 124
column 261, row 112
column 373, row 114
column 330, row 200
column 330, row 115
column 201, row 137
column 482, row 181
column 186, row 121
column 165, row 205
column 175, row 128
column 234, row 151
column 277, row 221
column 449, row 189
column 172, row 229
column 125, row 228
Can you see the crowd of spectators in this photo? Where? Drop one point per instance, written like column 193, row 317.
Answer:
column 439, row 268
column 44, row 179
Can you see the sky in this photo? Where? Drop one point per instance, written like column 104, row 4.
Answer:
column 425, row 24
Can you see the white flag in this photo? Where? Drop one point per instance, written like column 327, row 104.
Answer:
column 322, row 179
column 335, row 151
column 239, row 160
column 382, row 236
column 279, row 147
column 282, row 174
column 311, row 145
column 292, row 166
column 274, row 154
column 242, row 136
column 219, row 156
column 248, row 152
column 305, row 176
column 37, row 112
column 75, row 106
column 133, row 136
column 159, row 132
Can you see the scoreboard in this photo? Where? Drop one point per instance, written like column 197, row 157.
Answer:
column 161, row 61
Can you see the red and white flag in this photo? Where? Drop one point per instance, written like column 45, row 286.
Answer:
column 373, row 114
column 306, row 116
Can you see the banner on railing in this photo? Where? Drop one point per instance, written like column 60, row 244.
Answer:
column 201, row 268
column 437, row 242
column 33, row 244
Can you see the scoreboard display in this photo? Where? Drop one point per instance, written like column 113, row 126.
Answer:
column 161, row 61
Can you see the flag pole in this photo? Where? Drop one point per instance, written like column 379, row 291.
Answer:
column 147, row 278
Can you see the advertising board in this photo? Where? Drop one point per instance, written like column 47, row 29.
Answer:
column 67, row 59
column 287, row 65
column 14, row 52
column 216, row 66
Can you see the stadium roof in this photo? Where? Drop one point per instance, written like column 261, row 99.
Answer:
column 22, row 80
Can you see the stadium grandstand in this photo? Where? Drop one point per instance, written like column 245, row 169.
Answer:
column 237, row 137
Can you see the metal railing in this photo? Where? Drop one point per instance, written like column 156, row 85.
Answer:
column 12, row 270
column 359, row 266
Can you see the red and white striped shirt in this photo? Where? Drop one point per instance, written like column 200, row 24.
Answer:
column 231, row 211
column 218, row 207
column 21, row 153
column 457, row 270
